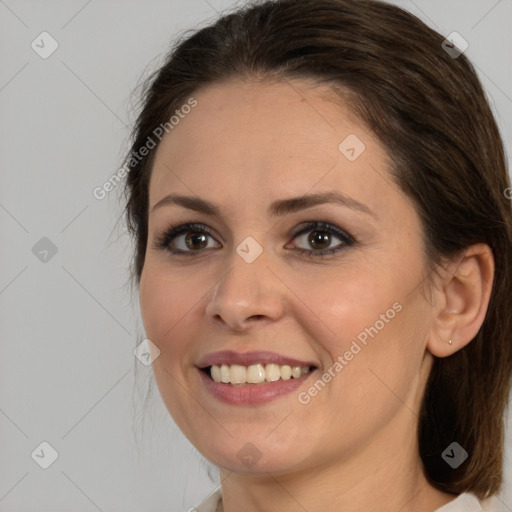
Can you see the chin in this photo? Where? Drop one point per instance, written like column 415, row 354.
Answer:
column 253, row 456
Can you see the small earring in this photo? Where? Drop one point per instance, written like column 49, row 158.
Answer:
column 450, row 342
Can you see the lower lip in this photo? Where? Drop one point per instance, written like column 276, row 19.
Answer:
column 252, row 394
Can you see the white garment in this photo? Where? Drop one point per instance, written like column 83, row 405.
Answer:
column 465, row 502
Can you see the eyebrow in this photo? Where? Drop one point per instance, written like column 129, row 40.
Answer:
column 277, row 208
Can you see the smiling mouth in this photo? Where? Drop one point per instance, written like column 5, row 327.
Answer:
column 256, row 374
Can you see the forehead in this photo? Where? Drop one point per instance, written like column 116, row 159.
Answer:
column 266, row 142
column 294, row 111
column 276, row 132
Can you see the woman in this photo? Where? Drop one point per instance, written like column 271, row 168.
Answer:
column 317, row 191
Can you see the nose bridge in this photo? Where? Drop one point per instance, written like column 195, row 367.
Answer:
column 247, row 290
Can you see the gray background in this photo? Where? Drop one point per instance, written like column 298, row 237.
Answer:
column 69, row 324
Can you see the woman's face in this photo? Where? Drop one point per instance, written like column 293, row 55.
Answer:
column 271, row 161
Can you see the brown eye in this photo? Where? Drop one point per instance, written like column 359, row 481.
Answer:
column 195, row 241
column 319, row 239
column 186, row 239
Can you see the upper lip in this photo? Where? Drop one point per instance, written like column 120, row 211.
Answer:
column 230, row 357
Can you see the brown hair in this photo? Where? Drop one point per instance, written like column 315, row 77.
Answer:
column 429, row 110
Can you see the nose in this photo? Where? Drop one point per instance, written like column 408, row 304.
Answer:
column 248, row 293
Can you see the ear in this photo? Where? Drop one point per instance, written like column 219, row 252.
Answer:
column 462, row 300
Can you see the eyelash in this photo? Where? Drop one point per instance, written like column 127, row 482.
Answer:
column 163, row 241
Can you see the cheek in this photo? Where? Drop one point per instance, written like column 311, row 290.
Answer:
column 347, row 301
column 166, row 304
column 369, row 317
column 167, row 308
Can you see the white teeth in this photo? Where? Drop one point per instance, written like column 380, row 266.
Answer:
column 296, row 372
column 286, row 372
column 272, row 372
column 224, row 374
column 238, row 374
column 256, row 373
column 215, row 373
